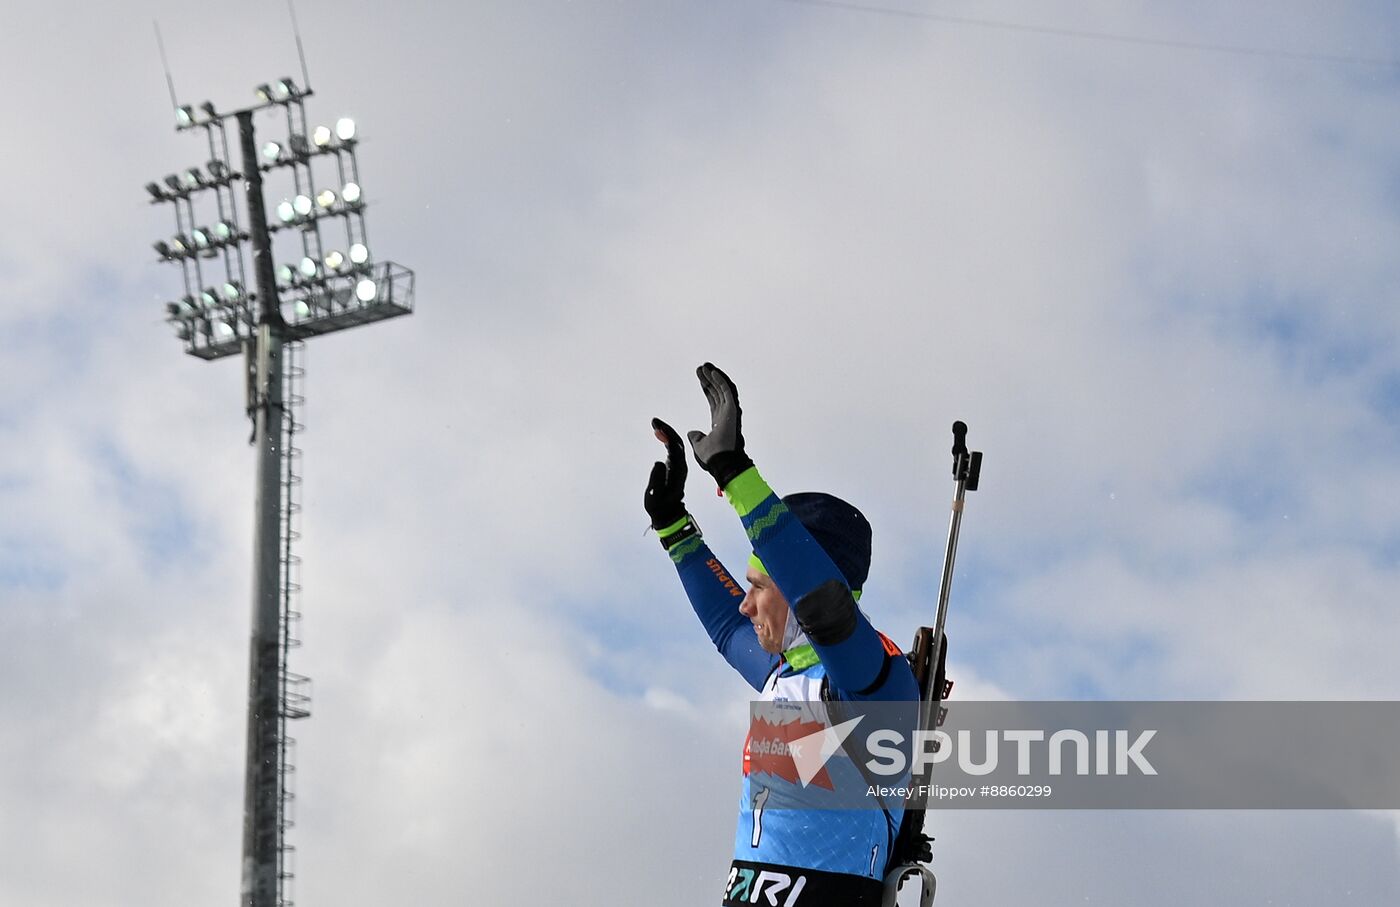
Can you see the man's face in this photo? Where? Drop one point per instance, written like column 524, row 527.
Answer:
column 766, row 607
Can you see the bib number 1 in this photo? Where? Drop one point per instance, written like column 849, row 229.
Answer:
column 758, row 802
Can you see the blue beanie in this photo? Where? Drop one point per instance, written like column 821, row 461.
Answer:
column 839, row 528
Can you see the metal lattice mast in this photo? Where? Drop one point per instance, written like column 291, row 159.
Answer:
column 323, row 292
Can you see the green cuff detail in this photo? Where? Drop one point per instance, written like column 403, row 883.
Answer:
column 678, row 532
column 802, row 657
column 747, row 491
column 667, row 530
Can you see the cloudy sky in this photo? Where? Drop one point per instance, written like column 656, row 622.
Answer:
column 1159, row 283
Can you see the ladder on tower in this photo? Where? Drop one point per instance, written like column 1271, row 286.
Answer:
column 295, row 700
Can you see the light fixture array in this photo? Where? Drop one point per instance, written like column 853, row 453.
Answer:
column 316, row 280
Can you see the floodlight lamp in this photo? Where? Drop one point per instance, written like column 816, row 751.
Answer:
column 201, row 237
column 345, row 129
column 173, row 182
column 351, row 193
column 334, row 260
column 182, row 330
column 163, row 251
column 285, row 274
column 302, row 205
column 223, row 231
column 302, row 309
column 272, row 151
column 156, row 191
column 321, row 136
column 172, row 309
column 208, row 108
column 325, row 198
column 184, row 117
column 233, row 291
column 192, row 178
column 366, row 290
column 359, row 254
column 298, row 143
column 217, row 169
column 180, row 245
column 209, row 298
column 308, row 268
column 222, row 330
column 285, row 212
column 283, row 89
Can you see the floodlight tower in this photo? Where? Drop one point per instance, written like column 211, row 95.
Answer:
column 317, row 290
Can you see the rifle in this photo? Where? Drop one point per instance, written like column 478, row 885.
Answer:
column 928, row 657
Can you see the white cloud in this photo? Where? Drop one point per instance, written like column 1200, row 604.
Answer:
column 1156, row 284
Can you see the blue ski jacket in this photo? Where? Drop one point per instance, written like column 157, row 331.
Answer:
column 786, row 852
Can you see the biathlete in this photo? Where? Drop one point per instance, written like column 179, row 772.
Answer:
column 798, row 637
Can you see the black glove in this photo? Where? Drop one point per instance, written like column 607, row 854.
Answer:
column 665, row 497
column 721, row 452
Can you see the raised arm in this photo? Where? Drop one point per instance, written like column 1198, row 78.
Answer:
column 712, row 590
column 860, row 662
